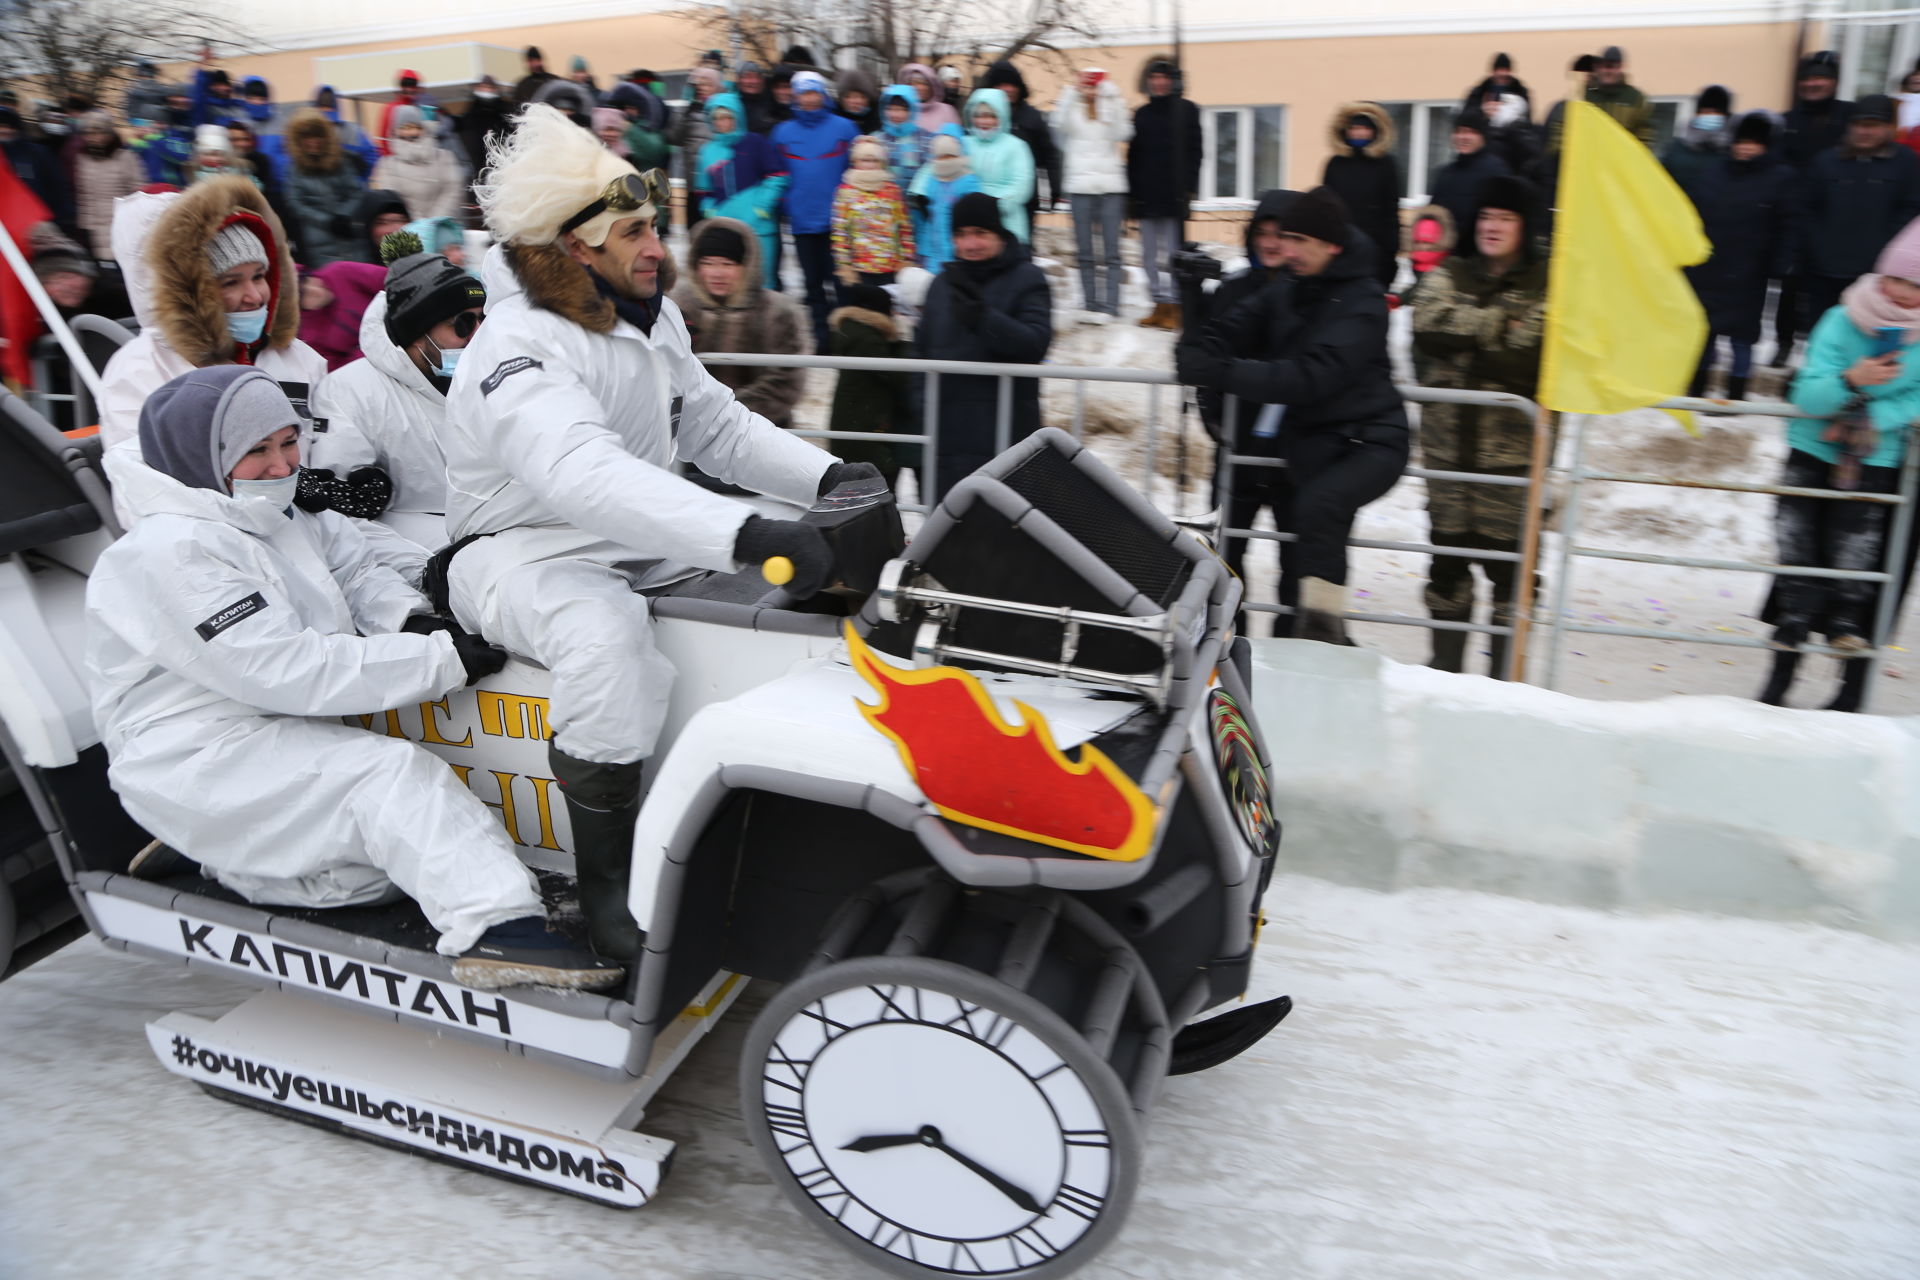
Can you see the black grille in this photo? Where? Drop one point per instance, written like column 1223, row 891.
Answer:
column 1102, row 524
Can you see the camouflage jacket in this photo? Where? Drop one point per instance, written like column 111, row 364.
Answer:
column 1480, row 332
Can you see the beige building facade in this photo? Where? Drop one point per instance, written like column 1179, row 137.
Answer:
column 1268, row 76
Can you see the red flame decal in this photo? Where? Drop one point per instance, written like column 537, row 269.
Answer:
column 977, row 769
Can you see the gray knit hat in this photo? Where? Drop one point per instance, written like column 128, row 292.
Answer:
column 409, row 114
column 197, row 427
column 233, row 245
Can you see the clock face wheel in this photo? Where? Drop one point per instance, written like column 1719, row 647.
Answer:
column 939, row 1122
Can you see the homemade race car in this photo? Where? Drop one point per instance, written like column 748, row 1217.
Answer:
column 995, row 812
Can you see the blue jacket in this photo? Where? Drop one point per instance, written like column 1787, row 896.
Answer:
column 1819, row 388
column 908, row 145
column 816, row 146
column 1002, row 163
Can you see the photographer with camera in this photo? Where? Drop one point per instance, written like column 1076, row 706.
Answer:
column 1310, row 352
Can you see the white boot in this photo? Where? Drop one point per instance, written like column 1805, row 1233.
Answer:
column 1321, row 604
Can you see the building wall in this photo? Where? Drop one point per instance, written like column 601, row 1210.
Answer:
column 1387, row 50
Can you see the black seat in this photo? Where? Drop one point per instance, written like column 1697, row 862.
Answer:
column 40, row 500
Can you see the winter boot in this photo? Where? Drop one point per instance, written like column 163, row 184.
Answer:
column 1321, row 604
column 603, row 801
column 524, row 952
column 1449, row 651
column 1853, row 685
column 1791, row 632
column 1497, row 656
column 1153, row 318
column 1171, row 320
column 1698, row 387
column 1780, row 679
column 1736, row 388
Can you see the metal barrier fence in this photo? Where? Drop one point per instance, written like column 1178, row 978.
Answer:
column 1576, row 477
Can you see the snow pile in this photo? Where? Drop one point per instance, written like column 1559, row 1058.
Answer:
column 1392, row 776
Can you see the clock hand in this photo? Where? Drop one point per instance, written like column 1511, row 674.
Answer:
column 881, row 1141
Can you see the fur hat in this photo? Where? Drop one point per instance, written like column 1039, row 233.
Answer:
column 1322, row 214
column 542, row 173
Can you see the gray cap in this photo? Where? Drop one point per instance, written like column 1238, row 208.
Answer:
column 197, row 427
column 1613, row 53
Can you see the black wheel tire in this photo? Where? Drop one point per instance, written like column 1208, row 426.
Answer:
column 1109, row 1095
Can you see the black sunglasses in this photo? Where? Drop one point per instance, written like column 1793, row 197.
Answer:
column 465, row 323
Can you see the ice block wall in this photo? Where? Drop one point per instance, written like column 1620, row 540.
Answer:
column 1392, row 776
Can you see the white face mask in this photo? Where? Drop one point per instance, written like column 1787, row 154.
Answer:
column 279, row 492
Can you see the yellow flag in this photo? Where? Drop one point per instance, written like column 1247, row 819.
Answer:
column 1624, row 328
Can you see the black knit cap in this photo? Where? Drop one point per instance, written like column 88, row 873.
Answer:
column 1823, row 64
column 1714, row 100
column 1473, row 119
column 719, row 242
column 978, row 209
column 423, row 290
column 1320, row 213
column 533, row 52
column 1755, row 126
column 1501, row 62
column 868, row 297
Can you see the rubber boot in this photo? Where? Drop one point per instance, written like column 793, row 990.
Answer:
column 1853, row 685
column 1321, row 604
column 1497, row 656
column 1736, row 388
column 603, row 801
column 1780, row 679
column 1449, row 651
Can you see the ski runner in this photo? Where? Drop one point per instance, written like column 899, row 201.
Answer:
column 566, row 416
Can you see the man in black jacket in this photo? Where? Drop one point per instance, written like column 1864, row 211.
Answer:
column 1030, row 127
column 1163, row 171
column 994, row 305
column 1456, row 185
column 1313, row 346
column 1816, row 122
column 1858, row 196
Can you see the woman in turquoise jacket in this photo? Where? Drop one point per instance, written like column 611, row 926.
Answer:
column 1862, row 377
column 1002, row 164
column 943, row 179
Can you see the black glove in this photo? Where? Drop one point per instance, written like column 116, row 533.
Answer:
column 425, row 624
column 315, row 492
column 761, row 539
column 341, row 226
column 477, row 656
column 364, row 494
column 968, row 305
column 846, row 473
column 920, row 203
column 1199, row 366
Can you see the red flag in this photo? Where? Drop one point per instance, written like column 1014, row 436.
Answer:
column 20, row 323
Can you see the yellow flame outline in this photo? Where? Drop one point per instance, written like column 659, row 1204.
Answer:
column 1143, row 814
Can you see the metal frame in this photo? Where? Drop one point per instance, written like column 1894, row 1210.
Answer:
column 1576, row 477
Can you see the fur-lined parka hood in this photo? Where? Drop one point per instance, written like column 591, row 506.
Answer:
column 744, row 289
column 310, row 123
column 554, row 282
column 184, row 296
column 1384, row 134
column 882, row 324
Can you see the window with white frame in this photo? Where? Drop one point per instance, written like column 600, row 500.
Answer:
column 1425, row 143
column 1246, row 151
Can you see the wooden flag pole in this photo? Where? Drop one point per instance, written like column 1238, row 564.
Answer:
column 1524, row 595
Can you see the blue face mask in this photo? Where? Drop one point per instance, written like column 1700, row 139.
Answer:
column 449, row 361
column 1709, row 124
column 247, row 326
column 279, row 492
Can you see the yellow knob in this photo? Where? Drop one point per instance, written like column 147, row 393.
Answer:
column 778, row 571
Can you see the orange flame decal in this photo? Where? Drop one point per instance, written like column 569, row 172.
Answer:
column 977, row 769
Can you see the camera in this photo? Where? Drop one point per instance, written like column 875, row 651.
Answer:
column 1191, row 264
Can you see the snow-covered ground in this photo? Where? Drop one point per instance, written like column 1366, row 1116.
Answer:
column 1469, row 1087
column 1134, row 428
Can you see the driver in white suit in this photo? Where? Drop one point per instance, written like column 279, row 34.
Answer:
column 567, row 414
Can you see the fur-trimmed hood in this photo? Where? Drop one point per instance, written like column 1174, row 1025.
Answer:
column 882, row 324
column 554, row 282
column 744, row 289
column 1384, row 134
column 184, row 298
column 309, row 122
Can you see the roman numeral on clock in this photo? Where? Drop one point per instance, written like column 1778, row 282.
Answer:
column 788, row 1122
column 1081, row 1203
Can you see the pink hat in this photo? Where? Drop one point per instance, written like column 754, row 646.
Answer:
column 1901, row 257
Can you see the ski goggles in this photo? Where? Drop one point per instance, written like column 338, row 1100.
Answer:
column 627, row 194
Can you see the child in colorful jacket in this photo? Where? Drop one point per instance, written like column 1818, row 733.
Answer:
column 908, row 141
column 942, row 180
column 872, row 234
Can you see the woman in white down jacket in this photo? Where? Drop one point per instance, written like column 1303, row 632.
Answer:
column 1090, row 122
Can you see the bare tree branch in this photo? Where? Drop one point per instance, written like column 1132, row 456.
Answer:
column 84, row 48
